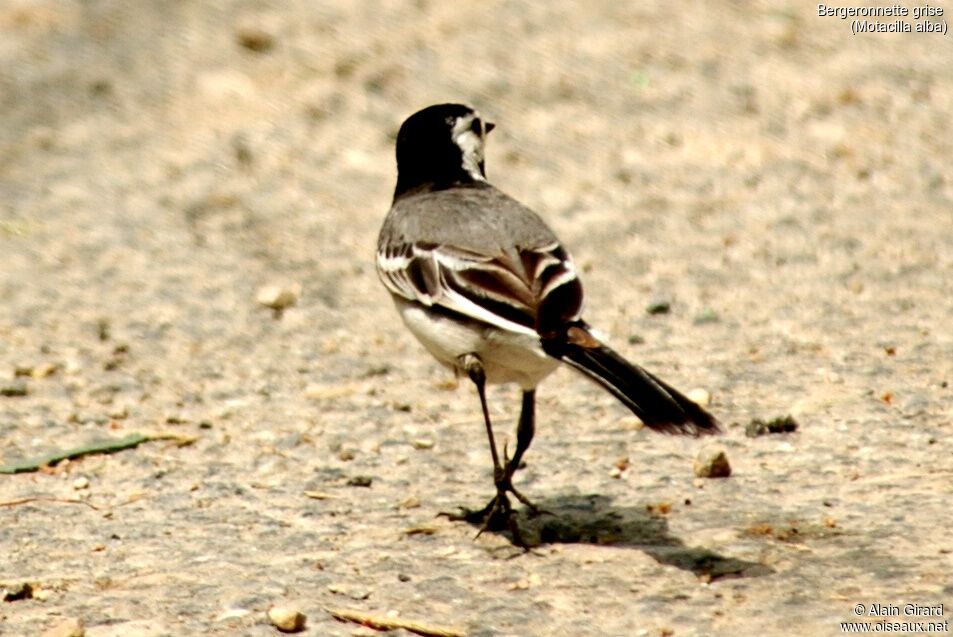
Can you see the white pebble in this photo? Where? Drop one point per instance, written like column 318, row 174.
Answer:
column 278, row 297
column 232, row 613
column 700, row 396
column 712, row 463
column 287, row 619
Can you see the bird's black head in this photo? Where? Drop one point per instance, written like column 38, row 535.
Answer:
column 439, row 147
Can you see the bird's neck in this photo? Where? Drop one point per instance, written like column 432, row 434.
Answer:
column 411, row 182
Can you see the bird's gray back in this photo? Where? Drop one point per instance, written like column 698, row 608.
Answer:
column 481, row 219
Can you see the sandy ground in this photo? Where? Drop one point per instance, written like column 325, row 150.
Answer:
column 784, row 185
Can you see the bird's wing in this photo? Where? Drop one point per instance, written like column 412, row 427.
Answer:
column 527, row 290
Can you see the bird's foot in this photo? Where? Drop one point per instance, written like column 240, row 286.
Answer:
column 499, row 514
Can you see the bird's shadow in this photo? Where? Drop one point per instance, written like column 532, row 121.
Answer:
column 593, row 519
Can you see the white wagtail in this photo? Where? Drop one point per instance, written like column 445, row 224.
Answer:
column 489, row 290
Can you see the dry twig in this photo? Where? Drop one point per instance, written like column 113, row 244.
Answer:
column 382, row 622
column 321, row 495
column 99, row 446
column 46, row 498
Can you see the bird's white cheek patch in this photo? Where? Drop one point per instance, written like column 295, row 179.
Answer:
column 471, row 146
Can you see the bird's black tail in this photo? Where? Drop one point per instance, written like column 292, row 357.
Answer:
column 659, row 405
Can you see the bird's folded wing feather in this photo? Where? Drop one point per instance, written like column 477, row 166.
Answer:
column 526, row 290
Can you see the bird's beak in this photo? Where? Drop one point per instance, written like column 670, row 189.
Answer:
column 489, row 126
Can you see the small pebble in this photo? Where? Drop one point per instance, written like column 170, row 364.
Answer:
column 526, row 583
column 782, row 425
column 423, row 443
column 631, row 422
column 17, row 592
column 410, row 502
column 278, row 297
column 254, row 39
column 72, row 627
column 700, row 396
column 659, row 306
column 354, row 592
column 712, row 463
column 14, row 389
column 81, row 483
column 232, row 613
column 242, row 150
column 103, row 328
column 371, row 445
column 661, row 508
column 360, row 481
column 287, row 619
column 40, row 371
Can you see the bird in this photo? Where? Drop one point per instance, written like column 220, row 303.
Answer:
column 490, row 291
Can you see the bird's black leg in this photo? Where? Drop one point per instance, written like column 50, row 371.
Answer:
column 498, row 511
column 524, row 436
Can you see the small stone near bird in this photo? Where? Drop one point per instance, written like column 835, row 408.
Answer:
column 287, row 619
column 783, row 425
column 712, row 463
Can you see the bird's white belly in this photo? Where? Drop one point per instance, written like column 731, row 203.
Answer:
column 507, row 357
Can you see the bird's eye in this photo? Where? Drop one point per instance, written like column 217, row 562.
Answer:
column 477, row 126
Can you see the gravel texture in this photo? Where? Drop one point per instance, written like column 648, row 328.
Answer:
column 784, row 188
